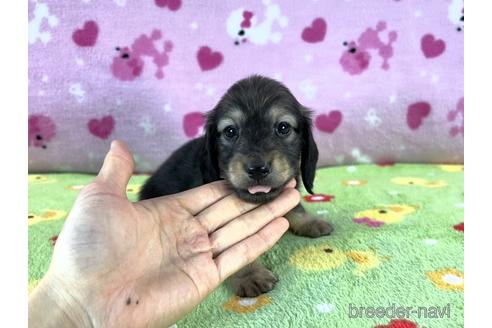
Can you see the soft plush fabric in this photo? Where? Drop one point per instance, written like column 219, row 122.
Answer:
column 398, row 242
column 384, row 78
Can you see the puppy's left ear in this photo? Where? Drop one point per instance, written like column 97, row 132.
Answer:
column 309, row 152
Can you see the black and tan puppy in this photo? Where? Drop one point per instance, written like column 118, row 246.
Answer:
column 257, row 138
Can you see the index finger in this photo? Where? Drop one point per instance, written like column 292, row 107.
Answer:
column 197, row 199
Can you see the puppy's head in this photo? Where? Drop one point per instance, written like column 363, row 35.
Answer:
column 258, row 138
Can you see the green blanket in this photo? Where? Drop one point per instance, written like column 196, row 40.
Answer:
column 397, row 251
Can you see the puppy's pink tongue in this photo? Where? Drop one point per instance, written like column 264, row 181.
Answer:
column 257, row 189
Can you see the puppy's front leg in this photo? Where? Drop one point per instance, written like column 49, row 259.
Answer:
column 253, row 280
column 307, row 225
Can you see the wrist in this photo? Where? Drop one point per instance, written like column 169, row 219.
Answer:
column 52, row 305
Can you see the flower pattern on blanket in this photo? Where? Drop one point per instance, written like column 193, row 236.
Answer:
column 246, row 304
column 417, row 253
column 386, row 214
column 47, row 215
column 326, row 257
column 447, row 279
column 40, row 179
column 419, row 182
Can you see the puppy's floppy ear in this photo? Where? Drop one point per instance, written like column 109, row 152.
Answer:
column 210, row 163
column 309, row 152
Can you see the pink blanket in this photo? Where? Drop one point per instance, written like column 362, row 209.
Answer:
column 385, row 78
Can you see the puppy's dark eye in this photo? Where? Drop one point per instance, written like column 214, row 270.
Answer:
column 230, row 132
column 283, row 128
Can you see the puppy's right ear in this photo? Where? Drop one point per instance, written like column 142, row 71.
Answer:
column 309, row 153
column 210, row 160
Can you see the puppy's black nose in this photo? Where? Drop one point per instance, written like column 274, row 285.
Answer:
column 257, row 171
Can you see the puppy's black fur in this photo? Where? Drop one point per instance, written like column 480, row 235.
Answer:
column 257, row 138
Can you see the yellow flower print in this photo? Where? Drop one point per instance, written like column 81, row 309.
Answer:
column 452, row 168
column 47, row 215
column 389, row 214
column 354, row 183
column 133, row 189
column 39, row 179
column 318, row 257
column 364, row 261
column 325, row 257
column 449, row 279
column 75, row 187
column 246, row 304
column 412, row 181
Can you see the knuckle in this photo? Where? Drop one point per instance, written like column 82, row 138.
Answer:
column 215, row 243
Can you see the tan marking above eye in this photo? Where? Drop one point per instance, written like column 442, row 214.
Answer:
column 289, row 119
column 225, row 122
column 233, row 116
column 279, row 114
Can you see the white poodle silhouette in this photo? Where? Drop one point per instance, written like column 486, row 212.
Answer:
column 41, row 13
column 456, row 14
column 243, row 25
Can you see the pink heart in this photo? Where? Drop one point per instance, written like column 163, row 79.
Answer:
column 328, row 123
column 416, row 113
column 101, row 128
column 432, row 47
column 316, row 32
column 173, row 5
column 208, row 59
column 86, row 36
column 192, row 122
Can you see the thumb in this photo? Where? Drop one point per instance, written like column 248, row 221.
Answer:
column 117, row 168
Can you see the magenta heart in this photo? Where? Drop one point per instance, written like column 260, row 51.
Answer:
column 86, row 36
column 208, row 59
column 432, row 47
column 328, row 123
column 316, row 32
column 173, row 5
column 101, row 128
column 416, row 113
column 192, row 122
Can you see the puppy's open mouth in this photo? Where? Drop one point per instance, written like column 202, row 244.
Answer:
column 259, row 193
column 259, row 189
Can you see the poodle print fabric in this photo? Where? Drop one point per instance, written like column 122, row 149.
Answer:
column 384, row 78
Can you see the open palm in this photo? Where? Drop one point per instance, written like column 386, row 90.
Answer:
column 150, row 262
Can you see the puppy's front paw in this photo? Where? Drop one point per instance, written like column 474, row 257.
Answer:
column 254, row 283
column 314, row 228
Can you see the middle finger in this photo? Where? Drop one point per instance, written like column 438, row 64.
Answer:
column 249, row 223
column 226, row 209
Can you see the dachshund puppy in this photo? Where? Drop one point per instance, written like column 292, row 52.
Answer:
column 257, row 138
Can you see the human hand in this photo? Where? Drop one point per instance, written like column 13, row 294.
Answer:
column 123, row 264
